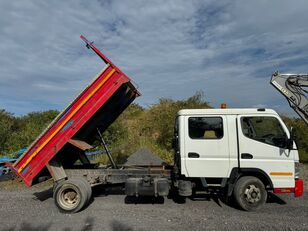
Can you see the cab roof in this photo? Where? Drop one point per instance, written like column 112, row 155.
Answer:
column 227, row 111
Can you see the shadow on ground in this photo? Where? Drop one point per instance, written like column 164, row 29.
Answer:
column 87, row 225
column 273, row 198
column 103, row 191
column 25, row 226
column 222, row 200
column 119, row 226
column 144, row 200
column 44, row 195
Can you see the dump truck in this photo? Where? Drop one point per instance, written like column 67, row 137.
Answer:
column 240, row 153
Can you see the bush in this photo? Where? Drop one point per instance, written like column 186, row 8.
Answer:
column 136, row 128
column 301, row 136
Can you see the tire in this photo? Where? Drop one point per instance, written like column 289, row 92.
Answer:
column 86, row 184
column 249, row 193
column 71, row 195
column 88, row 189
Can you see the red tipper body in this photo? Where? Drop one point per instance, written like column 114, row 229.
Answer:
column 104, row 99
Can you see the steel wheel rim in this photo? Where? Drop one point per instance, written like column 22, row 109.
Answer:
column 252, row 194
column 69, row 198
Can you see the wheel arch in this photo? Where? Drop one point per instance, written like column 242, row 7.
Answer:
column 237, row 173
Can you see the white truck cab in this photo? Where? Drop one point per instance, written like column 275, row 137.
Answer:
column 246, row 152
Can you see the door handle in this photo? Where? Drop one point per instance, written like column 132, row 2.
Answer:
column 246, row 156
column 193, row 155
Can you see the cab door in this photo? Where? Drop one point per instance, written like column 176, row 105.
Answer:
column 206, row 152
column 263, row 146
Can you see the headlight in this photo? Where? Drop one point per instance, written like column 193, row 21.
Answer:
column 296, row 170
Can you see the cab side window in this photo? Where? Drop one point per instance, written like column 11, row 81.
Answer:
column 205, row 127
column 264, row 129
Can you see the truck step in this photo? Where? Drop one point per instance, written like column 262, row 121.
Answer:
column 214, row 185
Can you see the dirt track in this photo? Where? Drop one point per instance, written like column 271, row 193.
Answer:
column 33, row 209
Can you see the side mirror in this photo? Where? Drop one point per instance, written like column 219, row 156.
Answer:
column 290, row 144
column 291, row 140
column 175, row 142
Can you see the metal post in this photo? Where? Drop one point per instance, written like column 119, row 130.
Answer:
column 106, row 149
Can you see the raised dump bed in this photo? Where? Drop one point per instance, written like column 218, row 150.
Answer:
column 75, row 129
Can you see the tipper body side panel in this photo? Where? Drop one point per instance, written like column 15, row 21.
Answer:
column 111, row 91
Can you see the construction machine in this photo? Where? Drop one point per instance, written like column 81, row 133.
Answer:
column 292, row 86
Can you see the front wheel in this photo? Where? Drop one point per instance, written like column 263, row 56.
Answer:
column 249, row 193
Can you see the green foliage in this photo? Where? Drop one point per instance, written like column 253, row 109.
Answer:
column 150, row 128
column 301, row 136
column 21, row 131
column 6, row 126
column 158, row 121
column 136, row 128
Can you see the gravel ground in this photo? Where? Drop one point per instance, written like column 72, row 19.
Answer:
column 33, row 209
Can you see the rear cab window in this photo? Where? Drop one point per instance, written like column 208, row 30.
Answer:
column 205, row 127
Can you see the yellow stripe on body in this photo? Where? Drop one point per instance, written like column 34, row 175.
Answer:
column 281, row 173
column 65, row 121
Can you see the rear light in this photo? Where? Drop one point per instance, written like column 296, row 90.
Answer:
column 299, row 188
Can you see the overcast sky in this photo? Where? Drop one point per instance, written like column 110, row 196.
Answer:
column 228, row 49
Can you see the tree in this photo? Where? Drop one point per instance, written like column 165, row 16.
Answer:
column 6, row 125
column 27, row 128
column 301, row 135
column 158, row 121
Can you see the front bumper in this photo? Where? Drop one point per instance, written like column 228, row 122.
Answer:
column 298, row 190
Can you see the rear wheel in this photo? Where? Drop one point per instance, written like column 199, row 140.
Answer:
column 71, row 195
column 249, row 193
